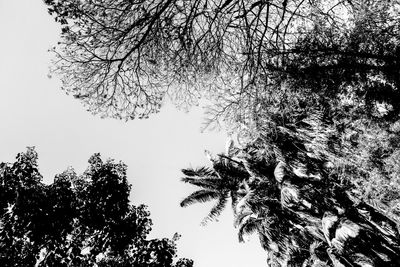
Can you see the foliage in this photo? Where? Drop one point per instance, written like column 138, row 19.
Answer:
column 219, row 183
column 122, row 58
column 266, row 65
column 76, row 220
column 305, row 212
column 309, row 87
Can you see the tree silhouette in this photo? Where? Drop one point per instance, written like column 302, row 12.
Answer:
column 304, row 212
column 76, row 220
column 122, row 58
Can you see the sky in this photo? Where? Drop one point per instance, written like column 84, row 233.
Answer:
column 34, row 111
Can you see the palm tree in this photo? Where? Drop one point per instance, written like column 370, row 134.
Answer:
column 283, row 233
column 220, row 183
column 318, row 221
column 302, row 219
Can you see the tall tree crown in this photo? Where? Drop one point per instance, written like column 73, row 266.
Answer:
column 305, row 212
column 122, row 58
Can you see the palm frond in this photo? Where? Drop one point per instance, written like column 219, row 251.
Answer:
column 279, row 172
column 229, row 146
column 207, row 183
column 199, row 172
column 242, row 217
column 217, row 209
column 235, row 200
column 200, row 196
column 249, row 226
column 244, row 201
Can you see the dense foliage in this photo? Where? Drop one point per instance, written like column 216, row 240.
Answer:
column 304, row 211
column 76, row 220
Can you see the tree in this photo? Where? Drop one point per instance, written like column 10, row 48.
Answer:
column 76, row 220
column 122, row 58
column 264, row 65
column 219, row 183
column 304, row 211
column 315, row 82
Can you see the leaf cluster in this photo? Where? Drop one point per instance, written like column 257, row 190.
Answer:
column 77, row 220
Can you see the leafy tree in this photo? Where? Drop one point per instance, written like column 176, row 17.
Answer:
column 77, row 220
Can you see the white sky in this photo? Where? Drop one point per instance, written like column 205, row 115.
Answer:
column 35, row 112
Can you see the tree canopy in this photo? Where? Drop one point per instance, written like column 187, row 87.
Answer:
column 77, row 220
column 310, row 88
column 123, row 58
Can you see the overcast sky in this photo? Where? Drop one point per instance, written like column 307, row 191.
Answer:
column 35, row 112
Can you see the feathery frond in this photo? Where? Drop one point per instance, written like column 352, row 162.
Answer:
column 217, row 209
column 199, row 196
column 208, row 183
column 249, row 226
column 199, row 172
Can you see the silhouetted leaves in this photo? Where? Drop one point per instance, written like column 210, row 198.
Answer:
column 76, row 220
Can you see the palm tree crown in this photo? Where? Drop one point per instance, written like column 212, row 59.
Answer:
column 302, row 218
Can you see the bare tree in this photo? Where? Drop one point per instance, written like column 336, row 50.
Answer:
column 123, row 58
